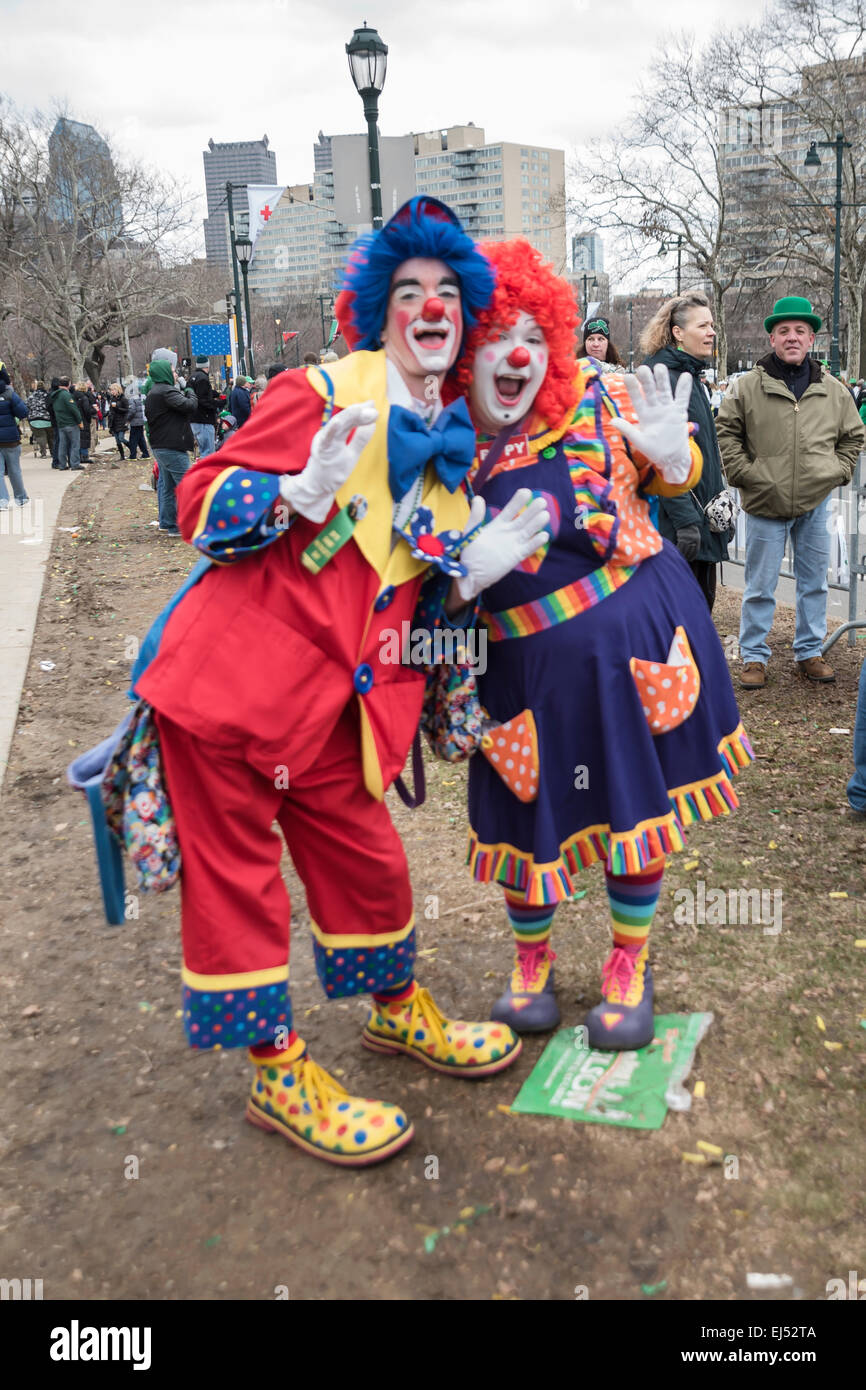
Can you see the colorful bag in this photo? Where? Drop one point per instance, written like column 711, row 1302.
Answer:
column 452, row 716
column 137, row 808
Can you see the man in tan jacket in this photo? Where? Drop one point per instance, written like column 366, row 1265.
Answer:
column 789, row 433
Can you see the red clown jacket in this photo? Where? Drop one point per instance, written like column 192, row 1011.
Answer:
column 261, row 656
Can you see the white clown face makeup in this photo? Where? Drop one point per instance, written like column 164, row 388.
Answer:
column 424, row 327
column 508, row 372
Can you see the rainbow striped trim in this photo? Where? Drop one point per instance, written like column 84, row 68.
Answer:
column 626, row 853
column 559, row 606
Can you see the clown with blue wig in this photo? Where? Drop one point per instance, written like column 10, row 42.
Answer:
column 336, row 515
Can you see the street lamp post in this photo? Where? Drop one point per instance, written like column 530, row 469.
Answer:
column 593, row 286
column 630, row 307
column 278, row 349
column 669, row 246
column 368, row 63
column 231, row 310
column 325, row 297
column 233, row 240
column 812, row 163
column 244, row 249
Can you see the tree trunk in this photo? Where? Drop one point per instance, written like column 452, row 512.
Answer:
column 721, row 334
column 93, row 365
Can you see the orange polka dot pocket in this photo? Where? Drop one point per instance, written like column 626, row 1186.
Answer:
column 669, row 689
column 512, row 750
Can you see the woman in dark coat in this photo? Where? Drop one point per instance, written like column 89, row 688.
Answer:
column 81, row 396
column 681, row 335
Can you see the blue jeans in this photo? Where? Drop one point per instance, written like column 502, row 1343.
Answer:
column 173, row 463
column 120, row 440
column 765, row 549
column 68, row 453
column 857, row 785
column 205, row 439
column 10, row 463
column 137, row 441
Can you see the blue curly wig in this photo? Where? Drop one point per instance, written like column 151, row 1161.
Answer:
column 421, row 227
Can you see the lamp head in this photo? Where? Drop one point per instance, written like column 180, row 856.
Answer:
column 812, row 162
column 368, row 60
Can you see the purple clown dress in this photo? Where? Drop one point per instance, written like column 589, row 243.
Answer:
column 605, row 665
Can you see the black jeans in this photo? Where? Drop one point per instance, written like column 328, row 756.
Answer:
column 137, row 441
column 705, row 573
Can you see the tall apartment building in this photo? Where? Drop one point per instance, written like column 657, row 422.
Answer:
column 587, row 252
column 497, row 191
column 236, row 162
column 306, row 240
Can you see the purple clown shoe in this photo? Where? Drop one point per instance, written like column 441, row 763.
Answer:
column 623, row 1021
column 529, row 1004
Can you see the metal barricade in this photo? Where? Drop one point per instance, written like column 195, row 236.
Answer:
column 847, row 523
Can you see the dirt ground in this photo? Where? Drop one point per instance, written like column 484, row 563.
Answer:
column 95, row 1070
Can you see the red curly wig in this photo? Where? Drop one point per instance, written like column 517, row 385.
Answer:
column 525, row 284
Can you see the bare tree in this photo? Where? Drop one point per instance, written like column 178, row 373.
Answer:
column 661, row 178
column 88, row 244
column 799, row 75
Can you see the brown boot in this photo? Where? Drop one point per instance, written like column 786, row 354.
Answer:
column 817, row 669
column 753, row 675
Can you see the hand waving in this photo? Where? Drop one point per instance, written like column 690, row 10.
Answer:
column 662, row 430
column 332, row 459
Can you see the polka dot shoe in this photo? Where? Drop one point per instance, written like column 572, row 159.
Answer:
column 296, row 1098
column 623, row 1021
column 417, row 1028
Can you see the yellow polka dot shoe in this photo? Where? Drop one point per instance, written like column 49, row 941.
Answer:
column 417, row 1028
column 294, row 1097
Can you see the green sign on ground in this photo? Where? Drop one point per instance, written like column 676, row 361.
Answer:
column 632, row 1089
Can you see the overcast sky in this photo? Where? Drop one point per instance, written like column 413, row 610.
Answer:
column 161, row 77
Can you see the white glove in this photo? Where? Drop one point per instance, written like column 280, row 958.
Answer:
column 331, row 461
column 503, row 543
column 662, row 430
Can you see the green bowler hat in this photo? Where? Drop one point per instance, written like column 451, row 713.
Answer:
column 793, row 306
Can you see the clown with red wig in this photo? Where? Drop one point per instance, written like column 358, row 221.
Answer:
column 618, row 725
column 337, row 512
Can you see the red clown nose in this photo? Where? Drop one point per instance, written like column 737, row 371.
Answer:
column 433, row 310
column 518, row 357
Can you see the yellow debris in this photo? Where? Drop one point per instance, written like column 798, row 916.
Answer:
column 524, row 1168
column 505, row 1109
column 695, row 1158
column 745, row 863
column 700, row 1089
column 710, row 1148
column 772, row 845
column 833, row 1047
column 838, row 895
column 466, row 1212
column 860, row 943
column 692, row 864
column 820, row 1022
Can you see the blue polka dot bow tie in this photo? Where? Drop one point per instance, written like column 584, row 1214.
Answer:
column 450, row 443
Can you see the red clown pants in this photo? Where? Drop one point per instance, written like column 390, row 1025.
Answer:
column 235, row 910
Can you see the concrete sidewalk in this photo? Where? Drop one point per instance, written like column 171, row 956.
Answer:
column 25, row 544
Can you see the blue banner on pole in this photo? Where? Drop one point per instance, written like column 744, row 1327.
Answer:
column 209, row 339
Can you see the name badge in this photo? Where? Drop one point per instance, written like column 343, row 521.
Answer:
column 515, row 451
column 334, row 535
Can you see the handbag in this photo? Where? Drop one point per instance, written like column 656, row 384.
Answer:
column 722, row 511
column 452, row 716
column 137, row 808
